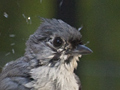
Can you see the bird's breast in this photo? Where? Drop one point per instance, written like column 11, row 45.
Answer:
column 52, row 78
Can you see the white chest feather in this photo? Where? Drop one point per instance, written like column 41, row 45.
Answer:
column 53, row 78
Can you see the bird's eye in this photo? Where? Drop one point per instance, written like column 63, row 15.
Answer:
column 57, row 42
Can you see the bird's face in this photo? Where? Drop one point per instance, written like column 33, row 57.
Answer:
column 56, row 43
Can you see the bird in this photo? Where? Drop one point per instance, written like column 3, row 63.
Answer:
column 49, row 61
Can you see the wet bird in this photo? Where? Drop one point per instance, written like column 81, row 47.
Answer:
column 49, row 61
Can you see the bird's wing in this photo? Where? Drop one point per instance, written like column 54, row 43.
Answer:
column 13, row 83
column 15, row 75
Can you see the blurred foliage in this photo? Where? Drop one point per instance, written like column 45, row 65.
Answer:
column 100, row 20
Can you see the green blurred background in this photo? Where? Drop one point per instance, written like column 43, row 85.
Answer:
column 101, row 28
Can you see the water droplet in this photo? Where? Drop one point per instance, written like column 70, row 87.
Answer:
column 80, row 28
column 5, row 14
column 23, row 15
column 12, row 35
column 87, row 42
column 28, row 18
column 13, row 51
column 61, row 3
column 40, row 1
column 12, row 44
column 7, row 54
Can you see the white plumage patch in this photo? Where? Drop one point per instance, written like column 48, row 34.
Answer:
column 48, row 78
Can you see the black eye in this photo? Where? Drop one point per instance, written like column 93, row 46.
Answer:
column 57, row 42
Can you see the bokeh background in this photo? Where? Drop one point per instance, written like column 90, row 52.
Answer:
column 101, row 32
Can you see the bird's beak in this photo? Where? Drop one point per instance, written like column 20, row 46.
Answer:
column 82, row 50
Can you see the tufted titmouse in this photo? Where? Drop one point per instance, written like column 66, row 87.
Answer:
column 49, row 61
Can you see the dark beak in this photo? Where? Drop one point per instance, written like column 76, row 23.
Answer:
column 82, row 50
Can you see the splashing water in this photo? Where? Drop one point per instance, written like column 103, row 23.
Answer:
column 28, row 19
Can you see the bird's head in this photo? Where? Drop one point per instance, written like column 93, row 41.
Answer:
column 56, row 43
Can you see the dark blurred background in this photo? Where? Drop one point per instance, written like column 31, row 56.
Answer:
column 101, row 28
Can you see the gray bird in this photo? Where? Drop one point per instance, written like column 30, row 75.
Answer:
column 49, row 61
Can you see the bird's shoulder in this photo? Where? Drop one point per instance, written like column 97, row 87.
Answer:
column 15, row 74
